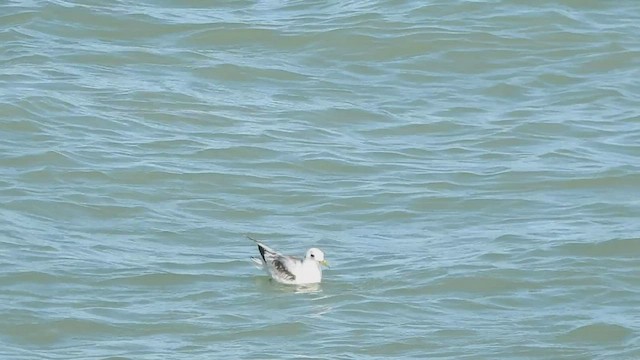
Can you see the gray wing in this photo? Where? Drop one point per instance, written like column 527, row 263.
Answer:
column 279, row 266
column 282, row 266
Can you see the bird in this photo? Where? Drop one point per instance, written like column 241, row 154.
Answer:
column 290, row 270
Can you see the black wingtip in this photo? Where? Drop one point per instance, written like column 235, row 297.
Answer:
column 261, row 249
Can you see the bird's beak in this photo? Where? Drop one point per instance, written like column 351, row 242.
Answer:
column 325, row 263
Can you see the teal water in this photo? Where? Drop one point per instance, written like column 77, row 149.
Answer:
column 470, row 168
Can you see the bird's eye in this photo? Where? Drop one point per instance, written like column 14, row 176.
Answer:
column 312, row 255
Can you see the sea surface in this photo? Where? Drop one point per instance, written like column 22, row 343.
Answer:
column 471, row 170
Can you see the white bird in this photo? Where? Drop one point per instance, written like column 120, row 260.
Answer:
column 288, row 269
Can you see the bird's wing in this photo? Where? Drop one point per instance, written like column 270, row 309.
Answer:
column 281, row 267
column 284, row 267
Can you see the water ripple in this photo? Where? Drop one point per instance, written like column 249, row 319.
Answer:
column 469, row 168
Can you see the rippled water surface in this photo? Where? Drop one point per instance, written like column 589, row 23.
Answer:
column 470, row 168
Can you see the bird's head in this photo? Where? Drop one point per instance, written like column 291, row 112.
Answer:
column 317, row 255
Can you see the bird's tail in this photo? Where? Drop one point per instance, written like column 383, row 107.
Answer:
column 260, row 262
column 257, row 262
column 262, row 247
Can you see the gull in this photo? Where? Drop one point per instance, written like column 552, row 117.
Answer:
column 288, row 269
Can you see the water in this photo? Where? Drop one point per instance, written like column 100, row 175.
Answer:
column 471, row 170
